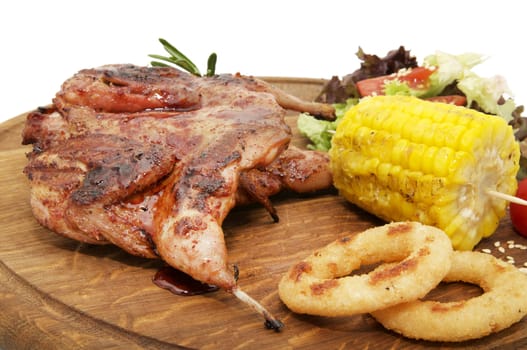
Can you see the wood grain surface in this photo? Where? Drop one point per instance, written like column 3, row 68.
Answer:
column 59, row 294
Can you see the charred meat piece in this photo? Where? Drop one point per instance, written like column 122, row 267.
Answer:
column 150, row 159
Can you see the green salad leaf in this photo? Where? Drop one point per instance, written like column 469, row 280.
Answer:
column 397, row 87
column 489, row 94
column 449, row 69
column 320, row 132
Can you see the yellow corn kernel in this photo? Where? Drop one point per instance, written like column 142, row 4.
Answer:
column 402, row 158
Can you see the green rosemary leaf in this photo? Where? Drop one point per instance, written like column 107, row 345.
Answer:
column 182, row 60
column 211, row 64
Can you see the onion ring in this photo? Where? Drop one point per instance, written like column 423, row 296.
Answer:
column 502, row 303
column 322, row 285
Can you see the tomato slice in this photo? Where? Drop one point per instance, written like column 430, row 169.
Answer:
column 416, row 78
column 457, row 100
column 372, row 86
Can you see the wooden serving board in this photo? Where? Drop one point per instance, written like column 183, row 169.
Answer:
column 59, row 294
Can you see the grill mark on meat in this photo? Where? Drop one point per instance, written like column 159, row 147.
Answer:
column 116, row 167
column 188, row 225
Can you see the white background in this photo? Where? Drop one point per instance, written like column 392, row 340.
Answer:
column 45, row 42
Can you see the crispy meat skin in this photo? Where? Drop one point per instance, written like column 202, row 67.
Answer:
column 150, row 159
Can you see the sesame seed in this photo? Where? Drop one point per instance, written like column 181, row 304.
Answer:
column 485, row 250
column 525, row 264
column 403, row 71
column 497, row 243
column 501, row 250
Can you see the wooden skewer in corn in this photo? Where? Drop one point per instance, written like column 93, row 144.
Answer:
column 507, row 197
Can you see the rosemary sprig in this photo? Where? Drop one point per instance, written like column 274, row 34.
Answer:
column 179, row 59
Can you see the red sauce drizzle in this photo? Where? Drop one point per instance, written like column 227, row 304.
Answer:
column 180, row 283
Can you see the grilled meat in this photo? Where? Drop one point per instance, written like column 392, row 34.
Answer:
column 150, row 159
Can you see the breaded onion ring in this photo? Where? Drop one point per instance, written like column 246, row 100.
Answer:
column 502, row 304
column 322, row 285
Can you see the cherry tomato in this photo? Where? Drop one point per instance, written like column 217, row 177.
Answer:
column 518, row 212
column 416, row 78
column 457, row 100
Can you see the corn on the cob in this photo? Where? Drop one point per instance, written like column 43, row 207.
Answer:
column 402, row 158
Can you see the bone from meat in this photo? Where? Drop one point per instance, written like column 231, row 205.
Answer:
column 150, row 159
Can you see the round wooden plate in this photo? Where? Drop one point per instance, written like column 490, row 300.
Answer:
column 59, row 294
